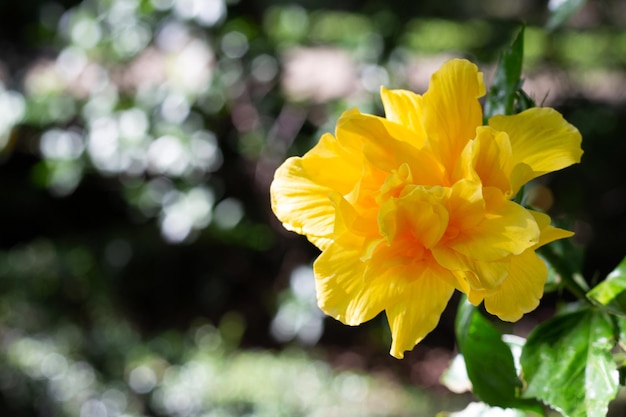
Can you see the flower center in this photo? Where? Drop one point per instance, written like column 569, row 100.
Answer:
column 451, row 232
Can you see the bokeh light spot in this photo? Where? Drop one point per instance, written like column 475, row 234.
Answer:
column 142, row 379
column 61, row 144
column 228, row 213
column 264, row 68
column 234, row 44
column 86, row 32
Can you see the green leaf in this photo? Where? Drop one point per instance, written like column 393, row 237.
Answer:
column 561, row 11
column 611, row 293
column 566, row 259
column 621, row 324
column 553, row 282
column 506, row 83
column 567, row 363
column 523, row 101
column 489, row 361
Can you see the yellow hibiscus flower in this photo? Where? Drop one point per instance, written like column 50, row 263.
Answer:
column 410, row 207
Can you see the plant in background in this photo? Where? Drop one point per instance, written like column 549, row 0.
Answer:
column 410, row 207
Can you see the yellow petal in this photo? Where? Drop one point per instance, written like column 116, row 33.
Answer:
column 493, row 162
column 395, row 183
column 548, row 233
column 466, row 206
column 418, row 307
column 351, row 228
column 405, row 108
column 520, row 175
column 302, row 205
column 387, row 146
column 364, row 196
column 374, row 128
column 342, row 291
column 301, row 189
column 464, row 168
column 480, row 275
column 507, row 228
column 541, row 139
column 419, row 213
column 333, row 163
column 521, row 291
column 451, row 109
column 475, row 296
column 392, row 261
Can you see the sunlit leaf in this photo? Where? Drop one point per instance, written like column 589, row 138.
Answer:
column 501, row 97
column 567, row 363
column 611, row 293
column 561, row 11
column 489, row 361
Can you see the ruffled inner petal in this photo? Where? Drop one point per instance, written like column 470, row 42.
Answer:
column 506, row 229
column 418, row 214
column 466, row 206
column 480, row 275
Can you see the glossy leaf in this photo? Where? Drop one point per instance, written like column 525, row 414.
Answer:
column 506, row 83
column 561, row 11
column 489, row 361
column 567, row 363
column 611, row 293
column 620, row 355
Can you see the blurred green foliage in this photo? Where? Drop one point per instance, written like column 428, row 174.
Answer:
column 196, row 373
column 138, row 139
